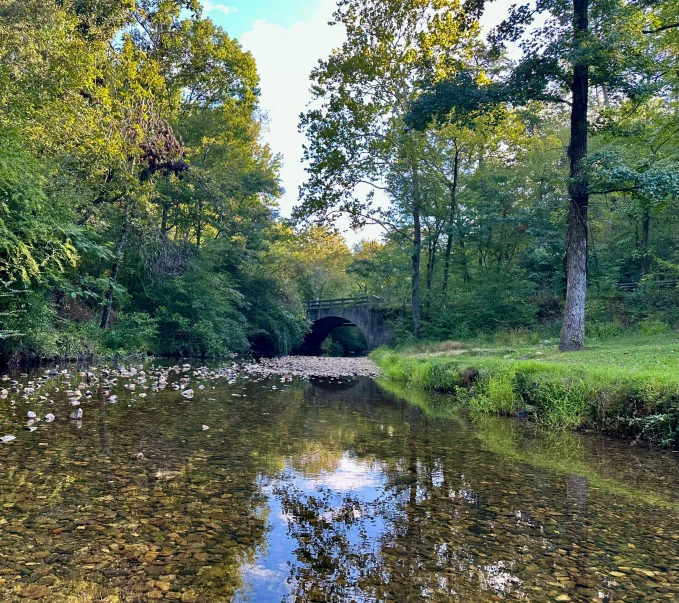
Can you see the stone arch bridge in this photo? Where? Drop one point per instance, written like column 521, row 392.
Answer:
column 362, row 312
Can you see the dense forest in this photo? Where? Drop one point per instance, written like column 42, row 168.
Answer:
column 138, row 200
column 522, row 175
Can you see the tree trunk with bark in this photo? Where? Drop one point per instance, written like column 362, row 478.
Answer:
column 451, row 224
column 573, row 332
column 113, row 276
column 199, row 227
column 432, row 252
column 417, row 250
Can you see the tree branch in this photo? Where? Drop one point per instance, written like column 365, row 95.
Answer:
column 662, row 28
column 628, row 189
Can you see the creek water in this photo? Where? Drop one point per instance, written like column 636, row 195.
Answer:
column 322, row 490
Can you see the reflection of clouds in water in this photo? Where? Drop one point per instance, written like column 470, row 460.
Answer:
column 262, row 583
column 261, row 573
column 351, row 475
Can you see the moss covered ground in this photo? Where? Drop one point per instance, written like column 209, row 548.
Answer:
column 627, row 385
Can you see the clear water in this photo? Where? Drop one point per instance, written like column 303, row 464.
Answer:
column 322, row 491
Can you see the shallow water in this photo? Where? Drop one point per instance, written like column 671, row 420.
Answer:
column 323, row 491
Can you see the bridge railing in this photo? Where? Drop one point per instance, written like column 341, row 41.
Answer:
column 666, row 284
column 343, row 303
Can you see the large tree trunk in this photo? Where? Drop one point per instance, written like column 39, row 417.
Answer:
column 451, row 224
column 163, row 220
column 417, row 250
column 573, row 332
column 113, row 277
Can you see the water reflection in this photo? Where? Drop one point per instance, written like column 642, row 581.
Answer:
column 324, row 491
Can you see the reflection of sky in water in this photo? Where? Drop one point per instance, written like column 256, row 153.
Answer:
column 268, row 578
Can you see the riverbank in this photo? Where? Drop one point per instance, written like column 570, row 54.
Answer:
column 628, row 386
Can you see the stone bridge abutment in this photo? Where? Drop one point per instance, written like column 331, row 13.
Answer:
column 362, row 312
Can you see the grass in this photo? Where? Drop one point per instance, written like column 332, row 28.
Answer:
column 627, row 385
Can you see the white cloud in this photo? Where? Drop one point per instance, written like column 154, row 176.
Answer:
column 285, row 57
column 211, row 7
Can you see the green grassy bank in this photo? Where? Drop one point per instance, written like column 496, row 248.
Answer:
column 628, row 386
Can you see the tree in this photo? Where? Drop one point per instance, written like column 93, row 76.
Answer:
column 585, row 44
column 357, row 139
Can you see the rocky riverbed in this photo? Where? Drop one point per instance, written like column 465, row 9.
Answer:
column 313, row 366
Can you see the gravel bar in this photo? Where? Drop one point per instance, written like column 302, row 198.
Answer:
column 313, row 366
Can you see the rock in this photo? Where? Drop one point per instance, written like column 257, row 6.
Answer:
column 31, row 415
column 35, row 592
column 165, row 475
column 49, row 417
column 188, row 393
column 205, row 428
column 77, row 415
column 7, row 438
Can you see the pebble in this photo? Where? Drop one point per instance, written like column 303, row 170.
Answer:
column 313, row 366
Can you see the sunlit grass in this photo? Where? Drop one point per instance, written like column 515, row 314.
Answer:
column 627, row 385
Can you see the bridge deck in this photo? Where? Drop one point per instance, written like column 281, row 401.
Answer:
column 343, row 303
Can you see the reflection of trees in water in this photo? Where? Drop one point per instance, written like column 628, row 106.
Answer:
column 336, row 558
column 410, row 543
column 455, row 513
column 455, row 520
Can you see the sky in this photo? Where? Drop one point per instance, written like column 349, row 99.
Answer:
column 287, row 38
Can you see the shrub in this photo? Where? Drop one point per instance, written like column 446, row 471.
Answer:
column 131, row 334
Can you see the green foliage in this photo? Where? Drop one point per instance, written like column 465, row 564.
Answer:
column 345, row 341
column 130, row 333
column 627, row 386
column 134, row 186
column 136, row 193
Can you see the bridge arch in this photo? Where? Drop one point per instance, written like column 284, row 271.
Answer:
column 361, row 312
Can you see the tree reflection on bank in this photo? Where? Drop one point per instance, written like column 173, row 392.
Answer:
column 325, row 491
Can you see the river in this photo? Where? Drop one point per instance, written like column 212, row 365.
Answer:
column 262, row 490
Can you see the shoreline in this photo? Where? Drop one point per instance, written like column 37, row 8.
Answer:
column 626, row 387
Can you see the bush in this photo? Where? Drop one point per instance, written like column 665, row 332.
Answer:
column 131, row 334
